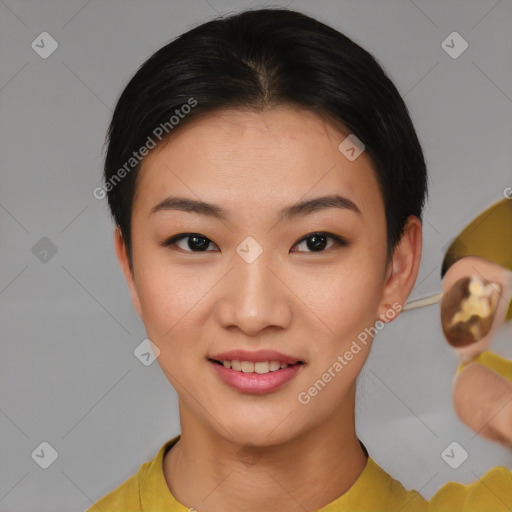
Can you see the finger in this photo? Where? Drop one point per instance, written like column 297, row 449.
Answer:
column 482, row 399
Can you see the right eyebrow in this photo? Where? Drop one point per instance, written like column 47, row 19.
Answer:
column 190, row 205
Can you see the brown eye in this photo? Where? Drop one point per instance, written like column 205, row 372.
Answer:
column 317, row 242
column 195, row 242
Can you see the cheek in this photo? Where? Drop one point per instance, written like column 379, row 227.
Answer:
column 168, row 307
column 349, row 306
column 166, row 292
column 167, row 299
column 174, row 301
column 353, row 293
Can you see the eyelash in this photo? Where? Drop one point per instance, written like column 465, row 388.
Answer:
column 338, row 241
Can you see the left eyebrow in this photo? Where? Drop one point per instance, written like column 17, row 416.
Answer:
column 291, row 212
column 318, row 203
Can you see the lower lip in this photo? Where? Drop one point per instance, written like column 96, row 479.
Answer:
column 256, row 382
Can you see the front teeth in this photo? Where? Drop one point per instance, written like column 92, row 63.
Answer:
column 251, row 367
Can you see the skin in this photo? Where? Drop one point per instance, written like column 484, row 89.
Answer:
column 308, row 304
column 483, row 401
column 482, row 398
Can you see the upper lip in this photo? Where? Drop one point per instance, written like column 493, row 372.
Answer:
column 255, row 356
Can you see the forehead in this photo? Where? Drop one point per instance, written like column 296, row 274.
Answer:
column 256, row 160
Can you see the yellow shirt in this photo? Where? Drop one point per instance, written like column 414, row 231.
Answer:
column 373, row 491
column 493, row 361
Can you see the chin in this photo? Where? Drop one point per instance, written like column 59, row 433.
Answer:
column 259, row 430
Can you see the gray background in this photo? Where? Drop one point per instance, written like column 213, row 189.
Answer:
column 68, row 375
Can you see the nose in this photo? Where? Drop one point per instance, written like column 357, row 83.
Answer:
column 255, row 296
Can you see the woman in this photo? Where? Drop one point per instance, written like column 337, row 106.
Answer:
column 267, row 187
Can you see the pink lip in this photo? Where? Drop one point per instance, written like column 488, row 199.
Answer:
column 255, row 356
column 255, row 382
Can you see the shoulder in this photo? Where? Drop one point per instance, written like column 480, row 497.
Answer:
column 492, row 492
column 146, row 490
column 379, row 491
column 124, row 498
column 389, row 493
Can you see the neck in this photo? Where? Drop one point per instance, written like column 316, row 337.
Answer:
column 210, row 473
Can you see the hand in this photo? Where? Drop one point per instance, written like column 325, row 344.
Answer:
column 476, row 296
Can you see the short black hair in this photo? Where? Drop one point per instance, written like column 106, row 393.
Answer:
column 259, row 59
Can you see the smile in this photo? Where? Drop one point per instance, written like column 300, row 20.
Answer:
column 260, row 367
column 256, row 377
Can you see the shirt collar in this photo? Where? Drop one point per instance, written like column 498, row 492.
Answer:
column 373, row 490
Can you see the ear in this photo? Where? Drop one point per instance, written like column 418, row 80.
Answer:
column 122, row 257
column 402, row 270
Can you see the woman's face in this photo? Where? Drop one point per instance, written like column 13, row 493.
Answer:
column 250, row 280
